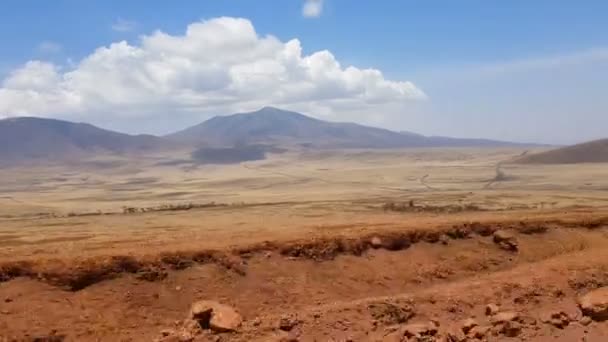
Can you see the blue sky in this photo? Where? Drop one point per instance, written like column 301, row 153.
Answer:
column 515, row 70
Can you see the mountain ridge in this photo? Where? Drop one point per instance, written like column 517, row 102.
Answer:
column 39, row 138
column 595, row 151
column 273, row 125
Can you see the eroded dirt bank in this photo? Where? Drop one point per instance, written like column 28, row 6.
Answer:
column 385, row 285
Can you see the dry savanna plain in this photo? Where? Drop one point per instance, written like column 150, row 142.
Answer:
column 451, row 244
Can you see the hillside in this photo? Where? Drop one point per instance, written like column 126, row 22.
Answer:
column 285, row 128
column 590, row 152
column 34, row 138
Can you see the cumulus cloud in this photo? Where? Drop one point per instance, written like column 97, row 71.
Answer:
column 123, row 25
column 218, row 66
column 312, row 8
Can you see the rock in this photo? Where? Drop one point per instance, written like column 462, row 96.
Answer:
column 215, row 316
column 468, row 324
column 492, row 309
column 479, row 332
column 8, row 300
column 444, row 239
column 388, row 313
column 595, row 304
column 167, row 332
column 177, row 337
column 504, row 317
column 419, row 330
column 287, row 322
column 558, row 319
column 376, row 242
column 291, row 336
column 511, row 329
column 455, row 336
column 585, row 321
column 506, row 240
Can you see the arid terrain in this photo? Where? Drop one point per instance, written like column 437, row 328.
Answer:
column 427, row 244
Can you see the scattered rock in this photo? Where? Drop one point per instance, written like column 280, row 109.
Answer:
column 595, row 304
column 181, row 336
column 48, row 338
column 167, row 332
column 504, row 317
column 492, row 309
column 511, row 329
column 256, row 322
column 479, row 332
column 455, row 336
column 585, row 321
column 376, row 242
column 558, row 319
column 506, row 240
column 419, row 330
column 388, row 313
column 288, row 322
column 152, row 274
column 215, row 316
column 468, row 324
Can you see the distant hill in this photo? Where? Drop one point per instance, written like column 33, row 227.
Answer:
column 285, row 128
column 37, row 138
column 590, row 152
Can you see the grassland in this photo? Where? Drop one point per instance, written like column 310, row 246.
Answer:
column 117, row 248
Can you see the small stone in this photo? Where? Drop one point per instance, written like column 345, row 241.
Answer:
column 167, row 332
column 585, row 321
column 291, row 336
column 178, row 288
column 511, row 329
column 455, row 336
column 468, row 324
column 8, row 300
column 419, row 329
column 503, row 317
column 287, row 323
column 376, row 242
column 215, row 316
column 558, row 319
column 492, row 309
column 444, row 239
column 595, row 304
column 479, row 332
column 506, row 240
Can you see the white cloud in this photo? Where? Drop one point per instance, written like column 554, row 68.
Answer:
column 48, row 47
column 312, row 8
column 218, row 66
column 123, row 25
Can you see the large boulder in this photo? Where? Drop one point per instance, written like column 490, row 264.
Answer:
column 595, row 304
column 215, row 316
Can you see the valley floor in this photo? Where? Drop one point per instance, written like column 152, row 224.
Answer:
column 371, row 251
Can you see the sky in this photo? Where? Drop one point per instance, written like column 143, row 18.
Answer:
column 518, row 70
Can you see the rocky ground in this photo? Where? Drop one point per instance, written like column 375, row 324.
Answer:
column 507, row 280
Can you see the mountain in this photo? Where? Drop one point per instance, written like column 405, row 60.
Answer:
column 37, row 138
column 285, row 128
column 589, row 152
